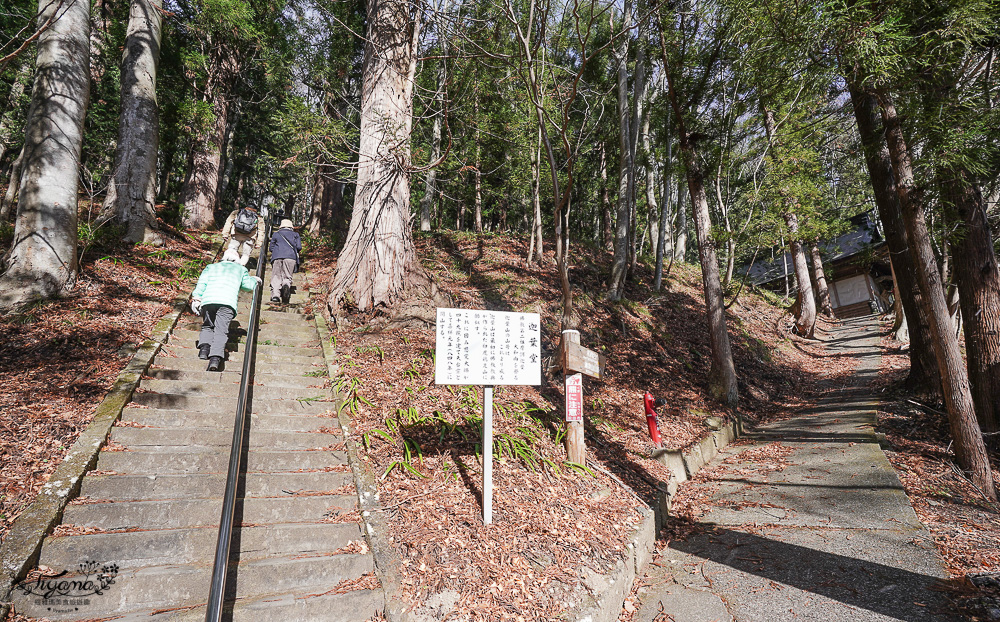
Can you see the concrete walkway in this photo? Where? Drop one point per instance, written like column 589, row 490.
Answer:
column 831, row 536
column 149, row 514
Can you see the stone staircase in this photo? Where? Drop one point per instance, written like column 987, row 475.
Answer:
column 152, row 505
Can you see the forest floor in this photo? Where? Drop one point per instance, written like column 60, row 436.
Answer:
column 58, row 359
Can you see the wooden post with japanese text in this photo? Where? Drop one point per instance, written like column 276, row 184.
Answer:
column 576, row 447
column 577, row 361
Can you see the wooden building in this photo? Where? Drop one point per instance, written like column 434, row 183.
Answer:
column 856, row 265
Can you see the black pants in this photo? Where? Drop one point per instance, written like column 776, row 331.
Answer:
column 215, row 328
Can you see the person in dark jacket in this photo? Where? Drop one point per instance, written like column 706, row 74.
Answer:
column 285, row 248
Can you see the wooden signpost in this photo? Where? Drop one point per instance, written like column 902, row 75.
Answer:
column 577, row 361
column 488, row 348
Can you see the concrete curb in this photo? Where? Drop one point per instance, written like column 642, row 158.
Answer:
column 683, row 464
column 20, row 549
column 608, row 591
column 387, row 560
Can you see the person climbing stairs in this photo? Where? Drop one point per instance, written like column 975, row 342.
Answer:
column 148, row 514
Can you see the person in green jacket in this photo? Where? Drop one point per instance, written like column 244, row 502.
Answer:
column 215, row 299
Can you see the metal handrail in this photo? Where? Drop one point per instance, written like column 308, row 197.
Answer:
column 220, row 567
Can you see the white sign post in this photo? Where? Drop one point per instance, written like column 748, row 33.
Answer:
column 487, row 348
column 487, row 455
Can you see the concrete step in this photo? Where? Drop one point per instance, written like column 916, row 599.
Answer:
column 191, row 362
column 353, row 606
column 288, row 316
column 267, row 354
column 234, row 359
column 262, row 349
column 138, row 549
column 233, row 377
column 296, row 299
column 192, row 388
column 273, row 336
column 258, row 423
column 210, row 460
column 178, row 513
column 171, row 587
column 269, row 314
column 141, row 438
column 208, row 486
column 306, row 405
column 305, row 328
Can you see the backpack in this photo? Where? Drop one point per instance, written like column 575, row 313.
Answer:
column 246, row 221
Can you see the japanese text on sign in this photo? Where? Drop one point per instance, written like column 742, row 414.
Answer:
column 574, row 397
column 488, row 347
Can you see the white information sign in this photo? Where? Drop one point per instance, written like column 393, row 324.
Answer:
column 488, row 347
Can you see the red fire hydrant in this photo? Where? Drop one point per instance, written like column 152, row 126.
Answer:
column 654, row 430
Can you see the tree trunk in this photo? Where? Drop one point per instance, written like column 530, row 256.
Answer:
column 314, row 222
column 681, row 244
column 9, row 116
column 100, row 25
column 440, row 79
column 923, row 374
column 969, row 448
column 722, row 377
column 727, row 225
column 200, row 192
column 653, row 219
column 13, row 184
column 334, row 213
column 635, row 122
column 664, row 212
column 42, row 261
column 477, row 173
column 606, row 239
column 536, row 247
column 131, row 194
column 430, row 179
column 162, row 186
column 805, row 321
column 819, row 278
column 900, row 330
column 979, row 296
column 226, row 159
column 379, row 256
column 623, row 218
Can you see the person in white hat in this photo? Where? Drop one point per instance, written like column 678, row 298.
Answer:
column 286, row 245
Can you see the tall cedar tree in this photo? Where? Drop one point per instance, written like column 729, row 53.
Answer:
column 379, row 257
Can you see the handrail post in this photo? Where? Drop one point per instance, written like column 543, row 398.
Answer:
column 220, row 567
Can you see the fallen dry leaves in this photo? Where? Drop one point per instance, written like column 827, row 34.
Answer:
column 554, row 526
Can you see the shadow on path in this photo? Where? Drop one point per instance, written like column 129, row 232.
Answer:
column 805, row 519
